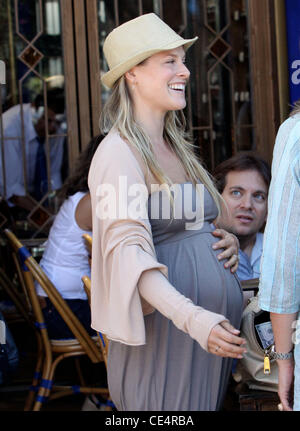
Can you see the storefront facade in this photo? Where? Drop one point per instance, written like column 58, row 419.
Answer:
column 239, row 89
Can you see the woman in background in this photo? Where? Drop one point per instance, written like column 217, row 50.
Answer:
column 66, row 259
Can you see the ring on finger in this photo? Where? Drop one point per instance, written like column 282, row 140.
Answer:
column 236, row 256
column 217, row 348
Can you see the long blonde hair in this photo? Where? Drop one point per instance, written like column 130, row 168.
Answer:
column 117, row 113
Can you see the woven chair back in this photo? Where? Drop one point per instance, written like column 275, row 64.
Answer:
column 31, row 271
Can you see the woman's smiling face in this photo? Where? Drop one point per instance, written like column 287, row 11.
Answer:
column 160, row 81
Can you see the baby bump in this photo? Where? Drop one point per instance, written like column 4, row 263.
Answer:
column 195, row 271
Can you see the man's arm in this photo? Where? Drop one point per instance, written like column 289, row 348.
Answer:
column 282, row 325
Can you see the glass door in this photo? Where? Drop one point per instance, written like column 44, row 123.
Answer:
column 33, row 132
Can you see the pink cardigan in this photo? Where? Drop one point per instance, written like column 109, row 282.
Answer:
column 127, row 280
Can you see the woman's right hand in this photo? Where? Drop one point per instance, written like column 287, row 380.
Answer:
column 224, row 341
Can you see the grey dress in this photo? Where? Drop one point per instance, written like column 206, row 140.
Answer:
column 172, row 371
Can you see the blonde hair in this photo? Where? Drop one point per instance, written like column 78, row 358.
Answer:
column 118, row 114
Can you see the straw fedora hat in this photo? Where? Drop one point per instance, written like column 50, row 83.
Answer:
column 134, row 41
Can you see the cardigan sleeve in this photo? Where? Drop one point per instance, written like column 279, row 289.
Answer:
column 123, row 251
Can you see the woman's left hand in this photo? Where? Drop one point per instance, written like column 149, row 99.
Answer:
column 230, row 244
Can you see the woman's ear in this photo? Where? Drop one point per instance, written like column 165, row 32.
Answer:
column 130, row 76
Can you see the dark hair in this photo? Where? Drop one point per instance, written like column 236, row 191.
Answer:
column 55, row 100
column 78, row 181
column 241, row 162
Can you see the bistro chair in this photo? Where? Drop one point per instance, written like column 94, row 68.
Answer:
column 88, row 244
column 53, row 351
column 17, row 293
column 20, row 312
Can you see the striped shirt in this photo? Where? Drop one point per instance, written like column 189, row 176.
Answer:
column 279, row 289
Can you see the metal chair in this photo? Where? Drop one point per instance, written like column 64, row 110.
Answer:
column 53, row 351
column 88, row 243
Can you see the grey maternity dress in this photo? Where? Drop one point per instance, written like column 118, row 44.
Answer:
column 172, row 371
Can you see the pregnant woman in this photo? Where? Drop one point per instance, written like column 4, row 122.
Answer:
column 167, row 304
